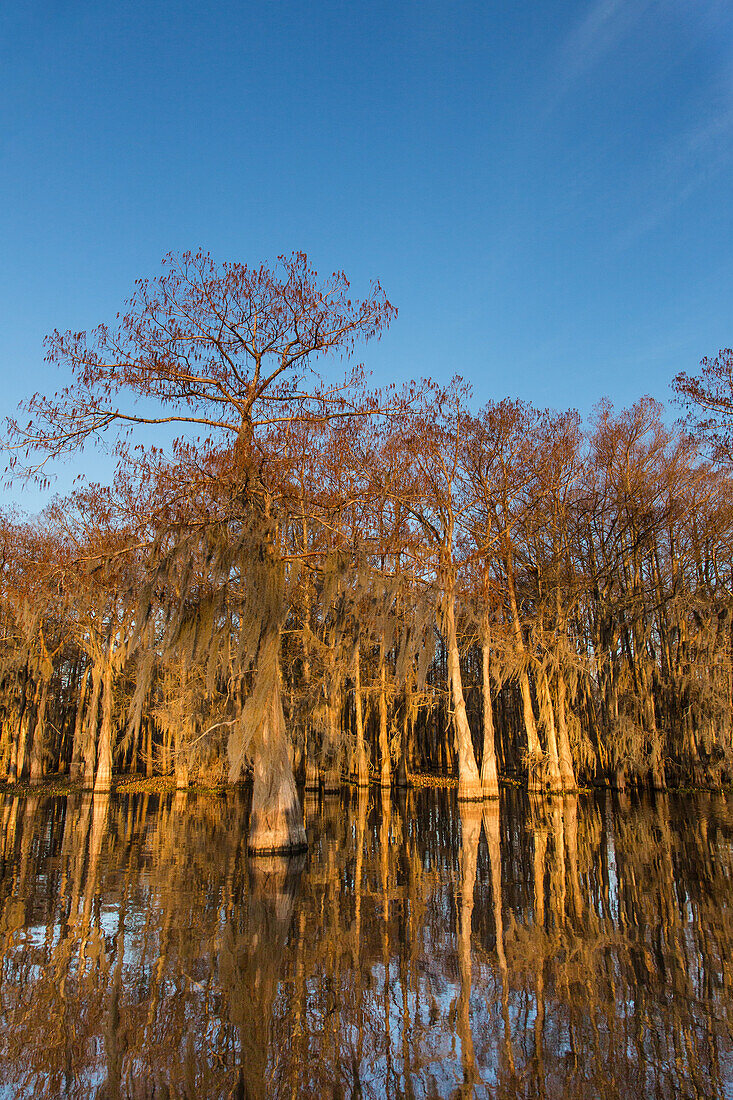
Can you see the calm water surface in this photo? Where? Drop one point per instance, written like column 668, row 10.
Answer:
column 558, row 948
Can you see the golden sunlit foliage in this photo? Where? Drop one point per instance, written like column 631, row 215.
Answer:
column 333, row 581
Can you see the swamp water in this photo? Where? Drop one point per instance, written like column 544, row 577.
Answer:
column 551, row 948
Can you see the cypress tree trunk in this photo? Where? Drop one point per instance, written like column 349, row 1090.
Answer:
column 362, row 767
column 385, row 763
column 554, row 781
column 181, row 763
column 469, row 781
column 90, row 733
column 78, row 743
column 312, row 778
column 18, row 760
column 148, row 748
column 402, row 778
column 38, row 746
column 534, row 751
column 535, row 758
column 489, row 774
column 276, row 819
column 567, row 771
column 23, row 738
column 103, row 777
column 332, row 777
column 12, row 773
column 5, row 748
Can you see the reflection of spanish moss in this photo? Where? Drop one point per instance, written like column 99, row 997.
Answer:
column 446, row 589
column 250, row 959
column 578, row 951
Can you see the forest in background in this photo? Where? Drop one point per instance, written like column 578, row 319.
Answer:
column 333, row 584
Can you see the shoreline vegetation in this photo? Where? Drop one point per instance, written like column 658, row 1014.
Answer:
column 319, row 584
column 52, row 786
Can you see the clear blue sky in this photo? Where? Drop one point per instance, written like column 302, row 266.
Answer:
column 543, row 187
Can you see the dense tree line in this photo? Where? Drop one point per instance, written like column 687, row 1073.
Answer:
column 337, row 584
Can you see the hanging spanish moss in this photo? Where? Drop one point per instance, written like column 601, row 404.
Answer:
column 332, row 586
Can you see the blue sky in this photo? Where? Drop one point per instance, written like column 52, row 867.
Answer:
column 543, row 188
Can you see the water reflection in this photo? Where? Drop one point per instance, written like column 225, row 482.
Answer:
column 556, row 948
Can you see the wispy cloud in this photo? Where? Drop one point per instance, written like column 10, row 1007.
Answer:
column 605, row 25
column 678, row 151
column 682, row 167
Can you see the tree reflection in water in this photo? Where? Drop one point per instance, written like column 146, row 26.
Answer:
column 557, row 947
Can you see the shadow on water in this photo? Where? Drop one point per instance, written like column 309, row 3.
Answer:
column 565, row 947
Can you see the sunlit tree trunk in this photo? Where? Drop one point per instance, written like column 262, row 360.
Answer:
column 180, row 761
column 38, row 746
column 276, row 819
column 534, row 751
column 103, row 778
column 14, row 734
column 334, row 745
column 90, row 727
column 312, row 776
column 567, row 771
column 402, row 777
column 469, row 781
column 553, row 778
column 384, row 757
column 77, row 765
column 362, row 765
column 18, row 761
column 149, row 748
column 489, row 774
